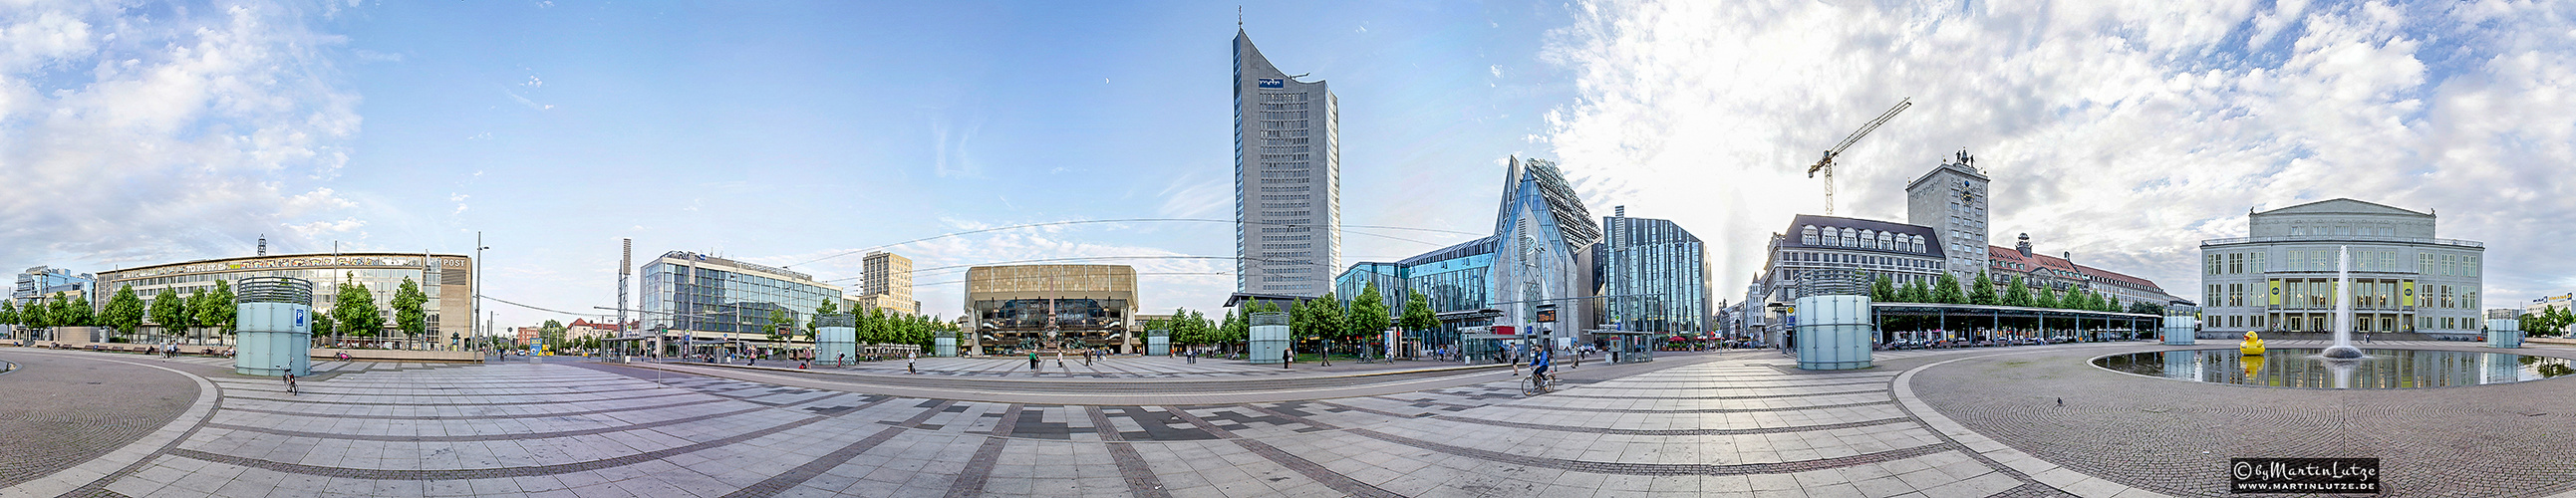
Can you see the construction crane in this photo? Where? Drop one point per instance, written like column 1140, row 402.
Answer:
column 1827, row 163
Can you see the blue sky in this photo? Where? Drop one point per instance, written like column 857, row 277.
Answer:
column 783, row 133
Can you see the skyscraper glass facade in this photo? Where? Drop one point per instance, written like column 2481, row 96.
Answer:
column 692, row 292
column 1655, row 274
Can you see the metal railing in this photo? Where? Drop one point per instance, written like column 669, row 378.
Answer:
column 289, row 290
column 2343, row 238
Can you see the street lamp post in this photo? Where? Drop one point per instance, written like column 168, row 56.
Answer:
column 477, row 311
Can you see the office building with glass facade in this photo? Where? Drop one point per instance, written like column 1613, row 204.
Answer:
column 1653, row 277
column 45, row 282
column 706, row 298
column 1021, row 308
column 1287, row 179
column 2281, row 276
column 446, row 278
column 1389, row 278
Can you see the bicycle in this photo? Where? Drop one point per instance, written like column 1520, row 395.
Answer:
column 1537, row 385
column 290, row 381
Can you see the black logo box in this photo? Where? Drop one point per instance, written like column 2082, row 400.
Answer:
column 2303, row 475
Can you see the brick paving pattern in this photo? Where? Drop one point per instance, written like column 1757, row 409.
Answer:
column 1731, row 424
column 57, row 411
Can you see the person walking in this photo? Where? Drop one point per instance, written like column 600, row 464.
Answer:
column 1286, row 356
column 909, row 359
column 1033, row 360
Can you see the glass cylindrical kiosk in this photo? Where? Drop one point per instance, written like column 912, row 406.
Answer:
column 2504, row 333
column 274, row 319
column 1833, row 320
column 836, row 339
column 945, row 344
column 1158, row 343
column 2182, row 325
column 1269, row 338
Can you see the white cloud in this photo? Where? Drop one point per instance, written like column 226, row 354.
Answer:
column 2124, row 133
column 523, row 101
column 374, row 56
column 156, row 138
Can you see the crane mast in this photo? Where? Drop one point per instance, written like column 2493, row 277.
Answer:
column 1826, row 164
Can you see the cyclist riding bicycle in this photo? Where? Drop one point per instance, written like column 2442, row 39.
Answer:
column 1538, row 371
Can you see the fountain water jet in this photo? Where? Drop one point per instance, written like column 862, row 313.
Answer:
column 2343, row 292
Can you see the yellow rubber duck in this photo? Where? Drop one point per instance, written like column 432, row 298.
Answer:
column 2253, row 345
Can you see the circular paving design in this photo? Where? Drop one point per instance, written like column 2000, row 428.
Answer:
column 2176, row 437
column 57, row 411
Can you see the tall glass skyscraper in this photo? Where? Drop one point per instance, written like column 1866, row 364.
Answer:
column 1287, row 179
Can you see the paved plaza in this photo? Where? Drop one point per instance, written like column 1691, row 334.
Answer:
column 1923, row 423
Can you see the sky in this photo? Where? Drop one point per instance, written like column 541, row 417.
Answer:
column 805, row 134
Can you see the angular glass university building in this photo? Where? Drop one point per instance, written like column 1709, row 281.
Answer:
column 1287, row 179
column 1540, row 253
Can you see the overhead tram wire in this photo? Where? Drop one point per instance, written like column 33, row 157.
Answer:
column 1344, row 228
column 918, row 271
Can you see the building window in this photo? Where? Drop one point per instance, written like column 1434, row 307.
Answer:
column 2424, row 264
column 1807, row 235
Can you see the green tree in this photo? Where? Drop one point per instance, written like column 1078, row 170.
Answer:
column 1329, row 316
column 779, row 325
column 820, row 310
column 124, row 314
column 1947, row 291
column 77, row 313
column 1983, row 291
column 322, row 326
column 2047, row 298
column 9, row 313
column 1417, row 313
column 2110, row 303
column 217, row 309
column 551, row 332
column 170, row 312
column 2017, row 294
column 1201, row 331
column 1882, row 290
column 354, row 309
column 36, row 315
column 408, row 315
column 1367, row 314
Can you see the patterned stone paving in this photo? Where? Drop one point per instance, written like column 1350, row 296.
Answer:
column 1732, row 424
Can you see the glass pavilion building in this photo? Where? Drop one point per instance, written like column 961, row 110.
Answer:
column 704, row 297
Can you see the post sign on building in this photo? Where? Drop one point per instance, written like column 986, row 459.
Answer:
column 1274, row 83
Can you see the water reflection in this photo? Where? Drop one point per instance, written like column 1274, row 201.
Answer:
column 2301, row 368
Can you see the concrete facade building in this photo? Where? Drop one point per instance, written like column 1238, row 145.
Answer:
column 1952, row 200
column 446, row 278
column 1287, row 179
column 885, row 282
column 1020, row 308
column 2281, row 276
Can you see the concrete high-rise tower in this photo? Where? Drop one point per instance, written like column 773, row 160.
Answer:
column 1287, row 179
column 1952, row 199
